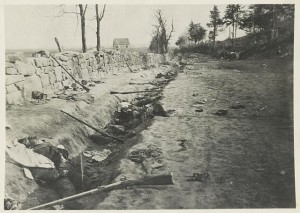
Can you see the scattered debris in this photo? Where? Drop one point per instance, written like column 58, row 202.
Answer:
column 199, row 177
column 221, row 112
column 203, row 101
column 28, row 174
column 237, row 106
column 10, row 204
column 89, row 99
column 158, row 110
column 38, row 96
column 182, row 144
column 282, row 172
column 97, row 155
column 199, row 110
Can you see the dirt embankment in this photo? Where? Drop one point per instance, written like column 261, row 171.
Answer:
column 45, row 120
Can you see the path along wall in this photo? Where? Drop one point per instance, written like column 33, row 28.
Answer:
column 38, row 73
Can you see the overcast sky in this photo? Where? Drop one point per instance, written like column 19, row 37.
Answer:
column 35, row 26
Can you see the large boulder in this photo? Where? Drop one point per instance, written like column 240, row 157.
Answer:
column 12, row 58
column 11, row 88
column 32, row 83
column 25, row 69
column 14, row 98
column 45, row 80
column 11, row 79
column 52, row 78
column 11, row 71
column 85, row 74
column 58, row 73
column 8, row 65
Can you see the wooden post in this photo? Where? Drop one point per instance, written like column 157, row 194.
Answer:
column 57, row 43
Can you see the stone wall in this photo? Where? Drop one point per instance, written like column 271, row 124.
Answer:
column 24, row 75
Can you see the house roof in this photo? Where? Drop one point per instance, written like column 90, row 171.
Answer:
column 121, row 41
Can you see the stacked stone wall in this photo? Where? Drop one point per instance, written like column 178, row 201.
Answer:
column 43, row 74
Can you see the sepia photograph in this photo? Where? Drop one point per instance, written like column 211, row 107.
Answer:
column 147, row 106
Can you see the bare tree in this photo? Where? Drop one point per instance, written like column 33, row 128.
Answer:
column 82, row 19
column 99, row 18
column 82, row 11
column 160, row 39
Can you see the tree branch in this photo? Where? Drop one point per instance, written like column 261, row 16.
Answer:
column 102, row 13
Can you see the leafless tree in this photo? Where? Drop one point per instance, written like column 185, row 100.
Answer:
column 160, row 40
column 81, row 13
column 99, row 18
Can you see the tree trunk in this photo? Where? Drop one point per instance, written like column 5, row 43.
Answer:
column 82, row 18
column 214, row 38
column 98, row 28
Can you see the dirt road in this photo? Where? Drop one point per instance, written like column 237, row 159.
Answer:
column 247, row 153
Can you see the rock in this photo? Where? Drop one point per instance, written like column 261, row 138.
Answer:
column 158, row 110
column 25, row 69
column 45, row 80
column 84, row 82
column 9, row 65
column 11, row 88
column 85, row 74
column 32, row 83
column 30, row 60
column 199, row 110
column 11, row 71
column 14, row 98
column 38, row 62
column 221, row 112
column 12, row 58
column 20, row 85
column 58, row 73
column 52, row 78
column 58, row 86
column 38, row 71
column 237, row 106
column 11, row 79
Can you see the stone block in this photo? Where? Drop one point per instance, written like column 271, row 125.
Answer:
column 49, row 90
column 66, row 82
column 52, row 78
column 90, row 70
column 11, row 88
column 38, row 71
column 47, row 69
column 11, row 71
column 85, row 74
column 38, row 62
column 45, row 61
column 11, row 79
column 14, row 98
column 12, row 58
column 20, row 85
column 58, row 86
column 58, row 73
column 45, row 80
column 32, row 83
column 9, row 65
column 25, row 69
column 30, row 60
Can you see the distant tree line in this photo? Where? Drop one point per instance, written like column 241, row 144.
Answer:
column 264, row 22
